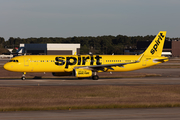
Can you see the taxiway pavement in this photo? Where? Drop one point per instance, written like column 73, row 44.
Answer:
column 167, row 77
column 98, row 114
column 72, row 82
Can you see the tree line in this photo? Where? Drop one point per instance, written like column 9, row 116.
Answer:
column 96, row 45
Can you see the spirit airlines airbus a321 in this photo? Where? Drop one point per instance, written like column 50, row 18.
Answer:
column 82, row 66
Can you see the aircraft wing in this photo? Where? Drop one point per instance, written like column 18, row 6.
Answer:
column 108, row 66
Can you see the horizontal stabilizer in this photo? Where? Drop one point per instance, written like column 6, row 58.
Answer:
column 161, row 60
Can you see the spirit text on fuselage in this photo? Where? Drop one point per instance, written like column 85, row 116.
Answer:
column 79, row 60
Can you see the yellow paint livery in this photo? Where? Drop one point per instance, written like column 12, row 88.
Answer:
column 89, row 65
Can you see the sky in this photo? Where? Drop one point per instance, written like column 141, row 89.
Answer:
column 69, row 18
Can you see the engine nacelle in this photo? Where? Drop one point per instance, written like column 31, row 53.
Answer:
column 82, row 73
column 62, row 73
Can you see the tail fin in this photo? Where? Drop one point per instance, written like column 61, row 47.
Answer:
column 156, row 46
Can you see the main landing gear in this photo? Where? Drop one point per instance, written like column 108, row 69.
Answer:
column 23, row 76
column 95, row 76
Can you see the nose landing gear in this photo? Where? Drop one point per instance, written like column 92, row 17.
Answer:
column 23, row 76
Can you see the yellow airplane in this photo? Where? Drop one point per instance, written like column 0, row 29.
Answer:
column 83, row 66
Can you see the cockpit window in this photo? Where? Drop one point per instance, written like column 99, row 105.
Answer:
column 13, row 61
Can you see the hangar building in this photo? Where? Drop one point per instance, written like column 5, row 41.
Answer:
column 49, row 49
column 170, row 46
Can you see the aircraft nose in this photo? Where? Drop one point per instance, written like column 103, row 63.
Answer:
column 7, row 66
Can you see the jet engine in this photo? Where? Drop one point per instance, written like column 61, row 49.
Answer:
column 82, row 73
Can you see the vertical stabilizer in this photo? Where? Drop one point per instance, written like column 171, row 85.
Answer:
column 156, row 46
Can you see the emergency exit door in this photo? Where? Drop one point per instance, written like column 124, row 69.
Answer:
column 26, row 61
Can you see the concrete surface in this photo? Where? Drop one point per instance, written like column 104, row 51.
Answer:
column 100, row 114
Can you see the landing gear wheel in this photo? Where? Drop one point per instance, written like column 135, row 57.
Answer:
column 95, row 77
column 23, row 78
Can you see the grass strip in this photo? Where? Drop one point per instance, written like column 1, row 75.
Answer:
column 33, row 98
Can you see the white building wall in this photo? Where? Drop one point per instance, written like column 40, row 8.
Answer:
column 54, row 46
column 73, row 47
